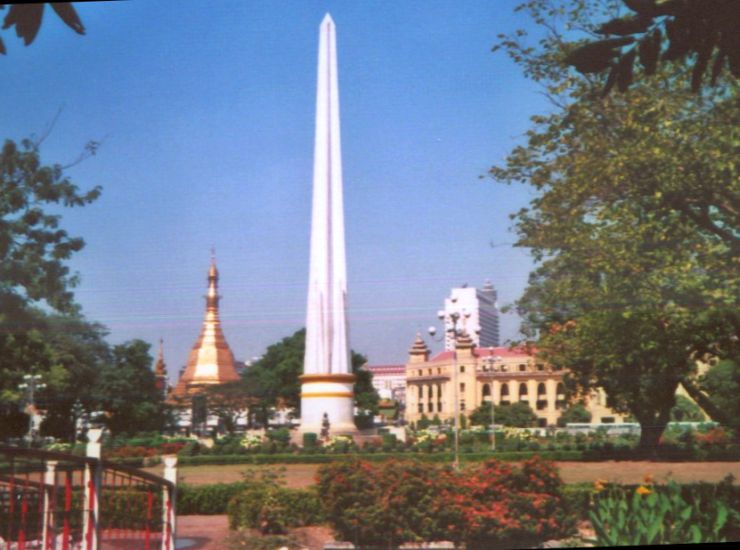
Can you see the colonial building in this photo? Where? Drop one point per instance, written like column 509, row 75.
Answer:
column 479, row 374
column 210, row 361
column 389, row 381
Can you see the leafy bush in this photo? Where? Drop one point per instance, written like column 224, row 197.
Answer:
column 263, row 503
column 211, row 499
column 404, row 501
column 310, row 440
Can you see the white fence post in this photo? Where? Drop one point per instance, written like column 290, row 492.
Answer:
column 169, row 495
column 91, row 506
column 47, row 530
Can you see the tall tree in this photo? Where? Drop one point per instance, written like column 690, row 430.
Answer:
column 273, row 379
column 637, row 272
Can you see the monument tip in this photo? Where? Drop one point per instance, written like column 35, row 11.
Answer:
column 327, row 20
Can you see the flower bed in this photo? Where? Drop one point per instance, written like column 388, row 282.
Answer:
column 487, row 505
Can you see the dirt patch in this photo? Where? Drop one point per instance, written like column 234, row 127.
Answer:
column 205, row 532
column 303, row 475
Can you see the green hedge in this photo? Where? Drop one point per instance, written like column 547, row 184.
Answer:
column 372, row 457
column 590, row 455
column 206, row 500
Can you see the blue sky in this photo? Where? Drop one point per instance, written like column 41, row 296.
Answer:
column 206, row 114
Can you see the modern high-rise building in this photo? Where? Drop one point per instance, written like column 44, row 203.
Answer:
column 479, row 315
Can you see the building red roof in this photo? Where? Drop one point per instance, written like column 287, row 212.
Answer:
column 386, row 369
column 501, row 351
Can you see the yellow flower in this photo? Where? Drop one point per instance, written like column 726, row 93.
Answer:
column 599, row 485
column 642, row 490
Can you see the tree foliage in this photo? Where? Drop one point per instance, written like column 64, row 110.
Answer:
column 228, row 401
column 67, row 352
column 634, row 226
column 273, row 379
column 126, row 391
column 703, row 33
column 576, row 412
column 26, row 18
column 722, row 384
column 33, row 247
column 516, row 415
column 685, row 410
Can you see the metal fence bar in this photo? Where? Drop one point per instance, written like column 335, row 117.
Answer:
column 57, row 501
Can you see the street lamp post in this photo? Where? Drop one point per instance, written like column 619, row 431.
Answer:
column 451, row 328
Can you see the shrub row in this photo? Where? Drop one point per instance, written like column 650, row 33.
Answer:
column 213, row 499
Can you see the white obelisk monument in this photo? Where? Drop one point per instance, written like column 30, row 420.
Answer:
column 327, row 382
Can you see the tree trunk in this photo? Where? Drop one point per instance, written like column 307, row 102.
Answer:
column 651, row 428
column 714, row 412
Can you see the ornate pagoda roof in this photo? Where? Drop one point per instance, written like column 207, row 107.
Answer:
column 211, row 360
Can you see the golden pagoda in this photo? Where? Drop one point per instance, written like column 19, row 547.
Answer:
column 210, row 361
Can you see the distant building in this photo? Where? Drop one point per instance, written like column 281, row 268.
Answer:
column 484, row 373
column 481, row 308
column 389, row 381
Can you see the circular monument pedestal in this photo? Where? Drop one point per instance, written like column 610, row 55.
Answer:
column 332, row 394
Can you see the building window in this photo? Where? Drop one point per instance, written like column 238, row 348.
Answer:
column 462, row 368
column 430, row 407
column 504, row 392
column 540, row 366
column 607, row 420
column 462, row 386
column 439, row 370
column 522, row 392
column 462, row 405
column 542, row 422
column 522, row 368
column 486, row 391
column 421, row 408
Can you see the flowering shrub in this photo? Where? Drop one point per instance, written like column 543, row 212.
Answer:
column 716, row 437
column 404, row 501
column 128, row 451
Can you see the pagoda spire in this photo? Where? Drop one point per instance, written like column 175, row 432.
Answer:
column 160, row 370
column 211, row 360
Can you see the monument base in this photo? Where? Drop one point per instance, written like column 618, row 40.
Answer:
column 330, row 394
